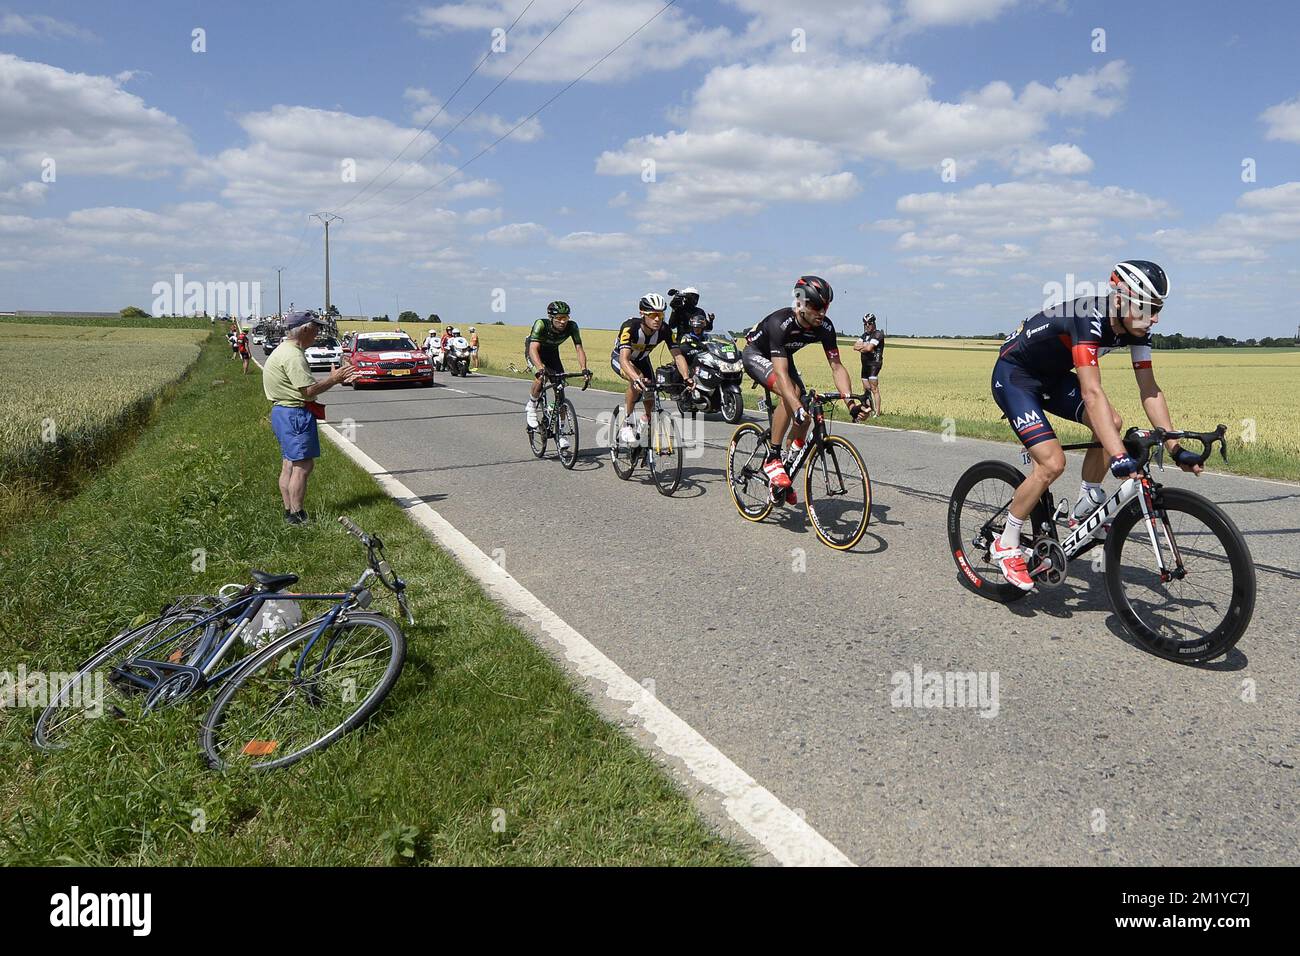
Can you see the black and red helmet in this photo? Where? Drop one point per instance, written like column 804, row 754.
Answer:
column 815, row 291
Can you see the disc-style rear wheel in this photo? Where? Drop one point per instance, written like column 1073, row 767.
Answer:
column 746, row 453
column 837, row 493
column 977, row 513
column 1207, row 603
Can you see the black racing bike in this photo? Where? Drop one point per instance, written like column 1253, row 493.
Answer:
column 1177, row 569
column 657, row 443
column 836, row 485
column 557, row 419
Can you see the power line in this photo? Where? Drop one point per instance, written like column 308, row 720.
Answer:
column 512, row 129
column 441, row 109
column 442, row 138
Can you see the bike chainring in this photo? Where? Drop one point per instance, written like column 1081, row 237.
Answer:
column 1049, row 562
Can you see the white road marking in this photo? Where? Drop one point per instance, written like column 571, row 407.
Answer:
column 777, row 828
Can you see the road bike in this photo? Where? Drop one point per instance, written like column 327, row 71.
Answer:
column 1178, row 572
column 836, row 485
column 659, row 446
column 556, row 418
column 278, row 698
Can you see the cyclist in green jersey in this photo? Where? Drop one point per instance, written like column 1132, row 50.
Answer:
column 542, row 350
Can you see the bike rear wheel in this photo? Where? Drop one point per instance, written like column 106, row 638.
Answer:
column 566, row 434
column 837, row 493
column 977, row 513
column 1193, row 618
column 290, row 700
column 666, row 462
column 117, row 687
column 749, row 488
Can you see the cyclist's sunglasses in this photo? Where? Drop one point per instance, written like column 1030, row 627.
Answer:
column 1144, row 306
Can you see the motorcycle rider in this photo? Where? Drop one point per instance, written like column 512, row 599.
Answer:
column 684, row 306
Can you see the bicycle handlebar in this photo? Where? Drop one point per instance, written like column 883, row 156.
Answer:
column 1143, row 440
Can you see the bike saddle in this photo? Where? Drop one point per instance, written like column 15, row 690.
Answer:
column 274, row 582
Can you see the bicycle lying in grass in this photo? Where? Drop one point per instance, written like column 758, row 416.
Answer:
column 297, row 693
column 556, row 418
column 1177, row 570
column 836, row 485
column 661, row 449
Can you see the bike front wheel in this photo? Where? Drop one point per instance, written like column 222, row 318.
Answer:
column 749, row 489
column 537, row 436
column 566, row 434
column 1204, row 606
column 622, row 454
column 666, row 463
column 302, row 693
column 837, row 493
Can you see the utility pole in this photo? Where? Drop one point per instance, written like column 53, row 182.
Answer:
column 327, row 218
column 279, row 294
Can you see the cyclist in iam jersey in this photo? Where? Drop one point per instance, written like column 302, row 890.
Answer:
column 1049, row 364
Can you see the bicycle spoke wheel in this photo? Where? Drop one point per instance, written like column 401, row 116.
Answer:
column 666, row 463
column 622, row 455
column 745, row 479
column 1204, row 608
column 977, row 513
column 837, row 493
column 113, row 683
column 566, row 436
column 292, row 698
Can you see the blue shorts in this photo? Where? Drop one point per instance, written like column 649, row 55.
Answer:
column 296, row 430
column 1025, row 400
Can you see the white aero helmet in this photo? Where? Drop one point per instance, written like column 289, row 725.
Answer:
column 653, row 302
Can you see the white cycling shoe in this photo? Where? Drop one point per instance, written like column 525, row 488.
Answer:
column 530, row 415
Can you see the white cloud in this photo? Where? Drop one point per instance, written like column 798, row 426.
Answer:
column 672, row 40
column 1060, row 159
column 949, row 12
column 85, row 123
column 1268, row 217
column 428, row 108
column 596, row 242
column 1283, row 121
column 39, row 25
column 776, row 131
column 516, row 234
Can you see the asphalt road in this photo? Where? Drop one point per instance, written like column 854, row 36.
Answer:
column 1099, row 752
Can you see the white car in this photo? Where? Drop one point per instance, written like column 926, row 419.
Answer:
column 325, row 354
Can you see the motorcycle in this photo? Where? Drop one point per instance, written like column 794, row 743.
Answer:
column 457, row 356
column 715, row 365
column 434, row 351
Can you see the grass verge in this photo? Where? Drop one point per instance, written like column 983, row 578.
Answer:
column 483, row 753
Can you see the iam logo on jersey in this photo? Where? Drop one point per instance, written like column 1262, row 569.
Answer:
column 1025, row 420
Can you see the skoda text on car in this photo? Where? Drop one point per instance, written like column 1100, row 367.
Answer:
column 388, row 357
column 324, row 355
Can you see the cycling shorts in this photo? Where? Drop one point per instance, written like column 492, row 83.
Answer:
column 1025, row 400
column 641, row 364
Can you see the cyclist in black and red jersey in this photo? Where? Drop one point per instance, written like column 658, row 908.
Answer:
column 1049, row 364
column 769, row 359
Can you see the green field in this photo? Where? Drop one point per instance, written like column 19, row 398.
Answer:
column 73, row 392
column 482, row 754
column 939, row 384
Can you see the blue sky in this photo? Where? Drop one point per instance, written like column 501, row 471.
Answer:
column 768, row 161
